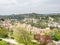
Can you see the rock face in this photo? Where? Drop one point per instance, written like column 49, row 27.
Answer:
column 43, row 39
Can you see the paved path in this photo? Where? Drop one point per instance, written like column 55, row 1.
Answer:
column 57, row 42
column 10, row 41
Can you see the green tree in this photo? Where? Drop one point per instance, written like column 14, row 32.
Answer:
column 22, row 36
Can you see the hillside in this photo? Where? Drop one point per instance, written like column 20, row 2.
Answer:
column 32, row 15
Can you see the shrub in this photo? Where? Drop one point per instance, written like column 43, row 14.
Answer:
column 22, row 36
column 3, row 43
column 3, row 33
column 57, row 36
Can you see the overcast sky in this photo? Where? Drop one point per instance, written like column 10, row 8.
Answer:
column 29, row 6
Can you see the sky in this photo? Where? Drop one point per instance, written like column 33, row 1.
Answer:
column 29, row 6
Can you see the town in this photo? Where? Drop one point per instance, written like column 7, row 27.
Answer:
column 30, row 31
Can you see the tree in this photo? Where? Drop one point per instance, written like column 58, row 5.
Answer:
column 21, row 35
column 54, row 34
column 2, row 19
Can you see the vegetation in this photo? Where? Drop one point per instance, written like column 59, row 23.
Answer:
column 23, row 36
column 45, row 17
column 3, row 33
column 57, row 36
column 54, row 34
column 3, row 43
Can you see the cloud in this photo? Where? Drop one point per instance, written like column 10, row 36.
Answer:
column 7, row 1
column 26, row 6
column 54, row 2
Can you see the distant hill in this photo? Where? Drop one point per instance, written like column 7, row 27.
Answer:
column 30, row 15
